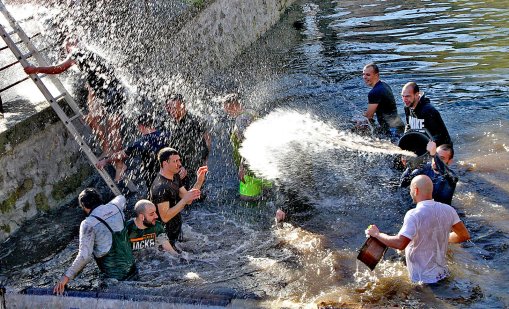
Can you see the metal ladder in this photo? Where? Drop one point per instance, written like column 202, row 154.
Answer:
column 63, row 104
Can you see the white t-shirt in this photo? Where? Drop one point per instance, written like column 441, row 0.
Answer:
column 428, row 226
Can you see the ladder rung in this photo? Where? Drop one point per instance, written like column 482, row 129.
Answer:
column 74, row 117
column 55, row 99
column 27, row 55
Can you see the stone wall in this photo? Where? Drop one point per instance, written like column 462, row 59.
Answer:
column 42, row 167
column 223, row 30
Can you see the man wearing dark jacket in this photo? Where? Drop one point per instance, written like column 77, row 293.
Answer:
column 421, row 115
column 444, row 179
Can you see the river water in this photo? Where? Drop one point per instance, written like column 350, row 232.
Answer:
column 305, row 79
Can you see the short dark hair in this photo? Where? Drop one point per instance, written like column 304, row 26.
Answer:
column 145, row 120
column 176, row 97
column 374, row 66
column 165, row 153
column 414, row 86
column 90, row 198
column 447, row 147
column 232, row 97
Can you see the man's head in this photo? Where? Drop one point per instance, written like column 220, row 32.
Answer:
column 175, row 106
column 421, row 188
column 232, row 105
column 445, row 152
column 410, row 94
column 89, row 199
column 169, row 160
column 145, row 121
column 146, row 212
column 371, row 74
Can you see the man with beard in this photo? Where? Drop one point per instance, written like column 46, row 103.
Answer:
column 422, row 116
column 145, row 231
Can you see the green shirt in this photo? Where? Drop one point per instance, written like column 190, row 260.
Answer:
column 145, row 238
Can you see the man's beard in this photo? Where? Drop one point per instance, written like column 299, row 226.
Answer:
column 147, row 223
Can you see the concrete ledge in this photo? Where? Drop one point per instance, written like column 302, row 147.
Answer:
column 26, row 129
column 44, row 298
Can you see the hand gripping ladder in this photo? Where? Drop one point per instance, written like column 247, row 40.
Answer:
column 63, row 104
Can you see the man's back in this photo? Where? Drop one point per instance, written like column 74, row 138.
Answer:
column 147, row 148
column 95, row 238
column 428, row 227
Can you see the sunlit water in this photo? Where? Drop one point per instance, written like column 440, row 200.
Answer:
column 307, row 83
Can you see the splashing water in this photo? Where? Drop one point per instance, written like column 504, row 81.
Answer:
column 271, row 143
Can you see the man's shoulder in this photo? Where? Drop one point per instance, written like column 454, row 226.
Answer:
column 425, row 106
column 130, row 223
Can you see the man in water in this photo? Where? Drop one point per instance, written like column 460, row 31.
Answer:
column 243, row 118
column 443, row 178
column 189, row 135
column 103, row 236
column 106, row 95
column 169, row 194
column 147, row 147
column 382, row 103
column 145, row 231
column 425, row 234
column 422, row 116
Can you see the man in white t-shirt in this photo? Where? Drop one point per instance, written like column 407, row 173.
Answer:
column 427, row 230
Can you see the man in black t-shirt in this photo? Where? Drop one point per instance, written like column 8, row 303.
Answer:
column 189, row 135
column 381, row 101
column 169, row 194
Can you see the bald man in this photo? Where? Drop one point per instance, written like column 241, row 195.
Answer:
column 145, row 231
column 427, row 230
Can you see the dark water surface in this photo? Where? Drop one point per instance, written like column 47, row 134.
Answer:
column 309, row 77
